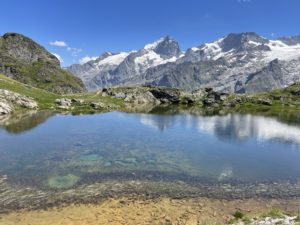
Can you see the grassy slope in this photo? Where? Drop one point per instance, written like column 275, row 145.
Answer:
column 46, row 99
column 282, row 100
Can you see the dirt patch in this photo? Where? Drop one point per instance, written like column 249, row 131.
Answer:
column 155, row 211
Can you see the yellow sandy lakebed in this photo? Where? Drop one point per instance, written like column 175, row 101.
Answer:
column 158, row 211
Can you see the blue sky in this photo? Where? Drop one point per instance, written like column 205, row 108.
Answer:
column 90, row 27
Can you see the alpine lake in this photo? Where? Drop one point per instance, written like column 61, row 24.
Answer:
column 49, row 159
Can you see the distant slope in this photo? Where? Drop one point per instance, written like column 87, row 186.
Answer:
column 26, row 61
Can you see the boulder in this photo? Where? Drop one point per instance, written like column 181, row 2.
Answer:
column 64, row 102
column 264, row 101
column 77, row 101
column 9, row 98
column 5, row 108
column 166, row 94
column 97, row 105
column 142, row 98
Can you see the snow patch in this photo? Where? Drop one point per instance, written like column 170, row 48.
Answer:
column 281, row 51
column 114, row 59
column 153, row 45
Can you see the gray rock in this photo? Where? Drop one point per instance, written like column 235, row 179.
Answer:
column 264, row 101
column 10, row 99
column 5, row 108
column 63, row 103
column 97, row 105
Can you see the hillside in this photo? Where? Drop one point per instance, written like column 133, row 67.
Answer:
column 145, row 98
column 26, row 61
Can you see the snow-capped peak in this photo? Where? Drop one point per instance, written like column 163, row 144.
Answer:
column 152, row 46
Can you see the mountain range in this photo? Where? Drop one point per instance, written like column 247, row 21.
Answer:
column 239, row 62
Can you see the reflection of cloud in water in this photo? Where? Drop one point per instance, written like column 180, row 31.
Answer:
column 225, row 174
column 160, row 122
column 232, row 126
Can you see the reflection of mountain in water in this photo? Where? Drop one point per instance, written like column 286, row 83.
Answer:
column 21, row 122
column 232, row 126
column 161, row 122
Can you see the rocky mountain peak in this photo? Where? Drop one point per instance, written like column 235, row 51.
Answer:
column 26, row 61
column 290, row 40
column 166, row 47
column 242, row 41
column 25, row 49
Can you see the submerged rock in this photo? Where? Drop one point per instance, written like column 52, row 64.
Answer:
column 61, row 182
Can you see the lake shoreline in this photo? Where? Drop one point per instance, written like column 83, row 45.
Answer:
column 152, row 211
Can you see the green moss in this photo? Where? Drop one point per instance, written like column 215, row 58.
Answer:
column 273, row 213
column 238, row 215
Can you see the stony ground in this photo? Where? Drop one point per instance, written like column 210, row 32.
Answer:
column 158, row 211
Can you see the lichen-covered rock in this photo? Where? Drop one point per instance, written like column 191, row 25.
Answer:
column 97, row 105
column 63, row 103
column 264, row 101
column 5, row 108
column 9, row 100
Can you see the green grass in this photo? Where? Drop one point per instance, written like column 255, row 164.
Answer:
column 46, row 99
column 247, row 104
column 273, row 213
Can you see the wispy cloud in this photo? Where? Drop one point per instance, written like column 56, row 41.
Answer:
column 87, row 59
column 273, row 35
column 244, row 1
column 74, row 51
column 58, row 57
column 58, row 43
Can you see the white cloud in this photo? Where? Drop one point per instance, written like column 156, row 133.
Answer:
column 87, row 59
column 58, row 43
column 58, row 56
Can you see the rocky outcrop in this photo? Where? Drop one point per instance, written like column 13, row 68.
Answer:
column 10, row 100
column 28, row 62
column 165, row 95
column 63, row 103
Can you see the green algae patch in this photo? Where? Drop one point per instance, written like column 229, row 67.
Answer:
column 91, row 157
column 62, row 182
